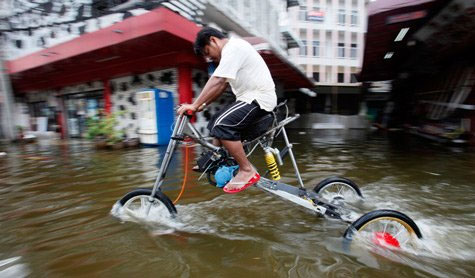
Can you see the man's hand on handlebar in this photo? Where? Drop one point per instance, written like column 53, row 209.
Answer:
column 189, row 109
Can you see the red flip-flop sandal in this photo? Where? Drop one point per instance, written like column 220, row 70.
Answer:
column 252, row 181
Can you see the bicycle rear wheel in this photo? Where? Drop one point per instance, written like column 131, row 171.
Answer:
column 385, row 227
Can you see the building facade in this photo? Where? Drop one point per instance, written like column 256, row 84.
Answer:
column 332, row 35
column 68, row 61
column 419, row 68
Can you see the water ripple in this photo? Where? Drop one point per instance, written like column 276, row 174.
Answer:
column 55, row 201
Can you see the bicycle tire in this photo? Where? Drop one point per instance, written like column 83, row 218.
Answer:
column 332, row 180
column 383, row 214
column 160, row 196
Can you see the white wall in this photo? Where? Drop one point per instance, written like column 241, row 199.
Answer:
column 329, row 33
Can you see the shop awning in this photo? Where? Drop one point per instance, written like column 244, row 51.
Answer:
column 158, row 39
column 390, row 25
column 377, row 7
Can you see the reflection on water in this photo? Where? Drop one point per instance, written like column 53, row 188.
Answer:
column 56, row 198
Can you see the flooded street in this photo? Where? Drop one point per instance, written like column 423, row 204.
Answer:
column 56, row 201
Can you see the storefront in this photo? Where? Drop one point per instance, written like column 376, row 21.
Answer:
column 80, row 107
column 418, row 68
column 103, row 71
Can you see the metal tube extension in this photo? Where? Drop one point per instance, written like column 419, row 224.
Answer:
column 179, row 125
column 291, row 153
column 200, row 138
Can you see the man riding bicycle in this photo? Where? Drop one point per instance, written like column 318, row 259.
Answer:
column 240, row 66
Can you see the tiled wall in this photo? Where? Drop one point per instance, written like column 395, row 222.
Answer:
column 202, row 118
column 124, row 90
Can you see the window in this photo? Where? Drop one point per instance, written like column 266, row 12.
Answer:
column 316, row 48
column 341, row 77
column 247, row 9
column 303, row 48
column 341, row 50
column 341, row 17
column 232, row 3
column 316, row 76
column 353, row 51
column 354, row 18
column 303, row 13
column 353, row 78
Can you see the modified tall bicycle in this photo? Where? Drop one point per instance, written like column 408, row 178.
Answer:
column 385, row 227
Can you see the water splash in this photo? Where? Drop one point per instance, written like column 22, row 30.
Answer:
column 202, row 218
column 12, row 267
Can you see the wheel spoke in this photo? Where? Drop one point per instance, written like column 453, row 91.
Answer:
column 394, row 228
column 404, row 243
column 385, row 226
column 399, row 228
column 339, row 190
column 129, row 211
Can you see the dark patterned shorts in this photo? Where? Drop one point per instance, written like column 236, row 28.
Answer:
column 234, row 119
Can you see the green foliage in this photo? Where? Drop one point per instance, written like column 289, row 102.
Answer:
column 104, row 128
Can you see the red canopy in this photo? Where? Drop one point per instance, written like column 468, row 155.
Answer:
column 158, row 39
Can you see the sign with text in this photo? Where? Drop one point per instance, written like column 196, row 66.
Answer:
column 316, row 16
column 405, row 17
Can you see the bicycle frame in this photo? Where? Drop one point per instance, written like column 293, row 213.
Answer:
column 298, row 195
column 309, row 199
column 178, row 135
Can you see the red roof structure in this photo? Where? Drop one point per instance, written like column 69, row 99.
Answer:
column 154, row 40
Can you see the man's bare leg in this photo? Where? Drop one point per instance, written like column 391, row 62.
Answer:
column 216, row 142
column 246, row 171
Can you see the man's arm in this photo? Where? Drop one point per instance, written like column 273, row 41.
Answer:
column 212, row 90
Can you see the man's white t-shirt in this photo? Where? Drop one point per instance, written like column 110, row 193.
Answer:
column 247, row 73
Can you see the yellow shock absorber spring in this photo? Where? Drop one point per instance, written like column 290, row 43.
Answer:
column 272, row 165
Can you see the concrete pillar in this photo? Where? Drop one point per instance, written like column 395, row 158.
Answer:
column 6, row 100
column 107, row 97
column 63, row 119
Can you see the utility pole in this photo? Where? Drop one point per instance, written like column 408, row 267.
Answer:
column 6, row 98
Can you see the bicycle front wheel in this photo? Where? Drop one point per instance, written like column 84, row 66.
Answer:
column 336, row 189
column 138, row 204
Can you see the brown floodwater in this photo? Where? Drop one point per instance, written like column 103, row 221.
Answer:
column 56, row 199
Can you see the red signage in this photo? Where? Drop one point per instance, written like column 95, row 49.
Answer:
column 405, row 17
column 315, row 16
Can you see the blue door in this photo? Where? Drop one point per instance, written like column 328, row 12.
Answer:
column 165, row 115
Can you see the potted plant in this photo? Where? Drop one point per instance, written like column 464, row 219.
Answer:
column 104, row 133
column 95, row 132
column 21, row 137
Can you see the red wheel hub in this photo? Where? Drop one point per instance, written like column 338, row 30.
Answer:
column 385, row 239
